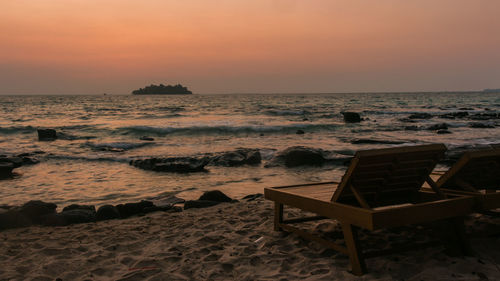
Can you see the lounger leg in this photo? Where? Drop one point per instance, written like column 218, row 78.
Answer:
column 278, row 215
column 352, row 243
column 464, row 242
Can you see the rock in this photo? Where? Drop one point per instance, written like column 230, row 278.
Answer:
column 13, row 219
column 299, row 156
column 453, row 115
column 173, row 164
column 46, row 134
column 441, row 126
column 79, row 207
column 35, row 209
column 129, row 209
column 485, row 116
column 441, row 132
column 480, row 125
column 69, row 217
column 6, row 170
column 170, row 200
column 215, row 195
column 238, row 157
column 300, row 132
column 421, row 115
column 146, row 138
column 411, row 128
column 107, row 212
column 351, row 117
column 373, row 141
column 199, row 204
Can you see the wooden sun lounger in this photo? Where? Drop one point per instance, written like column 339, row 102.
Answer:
column 380, row 189
column 476, row 173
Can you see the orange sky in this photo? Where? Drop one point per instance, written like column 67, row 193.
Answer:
column 114, row 46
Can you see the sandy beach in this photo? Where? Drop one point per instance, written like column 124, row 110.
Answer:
column 230, row 241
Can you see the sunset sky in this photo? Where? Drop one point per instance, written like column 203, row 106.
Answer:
column 115, row 46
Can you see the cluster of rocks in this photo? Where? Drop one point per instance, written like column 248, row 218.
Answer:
column 41, row 213
column 305, row 156
column 172, row 164
column 239, row 157
column 9, row 162
column 442, row 128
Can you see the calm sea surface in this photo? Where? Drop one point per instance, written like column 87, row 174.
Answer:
column 102, row 134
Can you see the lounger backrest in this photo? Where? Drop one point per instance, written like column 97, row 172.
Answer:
column 475, row 170
column 388, row 176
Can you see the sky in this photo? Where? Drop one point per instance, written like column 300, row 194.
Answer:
column 248, row 46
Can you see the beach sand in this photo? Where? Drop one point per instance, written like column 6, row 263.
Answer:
column 231, row 241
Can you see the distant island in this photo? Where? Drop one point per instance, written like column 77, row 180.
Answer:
column 491, row 90
column 163, row 90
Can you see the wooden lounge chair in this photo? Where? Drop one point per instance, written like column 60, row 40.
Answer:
column 476, row 173
column 380, row 189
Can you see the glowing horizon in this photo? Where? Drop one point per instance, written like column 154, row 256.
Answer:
column 250, row 46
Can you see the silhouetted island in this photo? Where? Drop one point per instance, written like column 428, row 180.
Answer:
column 162, row 90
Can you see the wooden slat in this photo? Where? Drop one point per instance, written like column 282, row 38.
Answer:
column 423, row 212
column 357, row 216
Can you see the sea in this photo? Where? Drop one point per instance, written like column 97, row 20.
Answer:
column 101, row 134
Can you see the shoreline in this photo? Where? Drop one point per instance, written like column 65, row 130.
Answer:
column 225, row 242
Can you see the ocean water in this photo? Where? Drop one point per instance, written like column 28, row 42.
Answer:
column 101, row 134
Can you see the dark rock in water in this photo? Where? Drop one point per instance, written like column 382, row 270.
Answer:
column 215, row 195
column 453, row 115
column 480, row 125
column 79, row 207
column 237, row 158
column 373, row 141
column 411, row 128
column 422, row 115
column 173, row 164
column 6, row 170
column 129, row 209
column 351, row 117
column 299, row 156
column 300, row 132
column 485, row 116
column 441, row 132
column 107, row 212
column 46, row 134
column 466, row 108
column 146, row 138
column 199, row 204
column 441, row 126
column 170, row 200
column 35, row 209
column 252, row 197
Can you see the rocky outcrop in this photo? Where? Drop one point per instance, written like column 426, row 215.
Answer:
column 130, row 209
column 420, row 115
column 454, row 115
column 172, row 164
column 239, row 157
column 481, row 125
column 208, row 199
column 298, row 156
column 351, row 117
column 436, row 127
column 107, row 212
column 47, row 134
column 6, row 170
